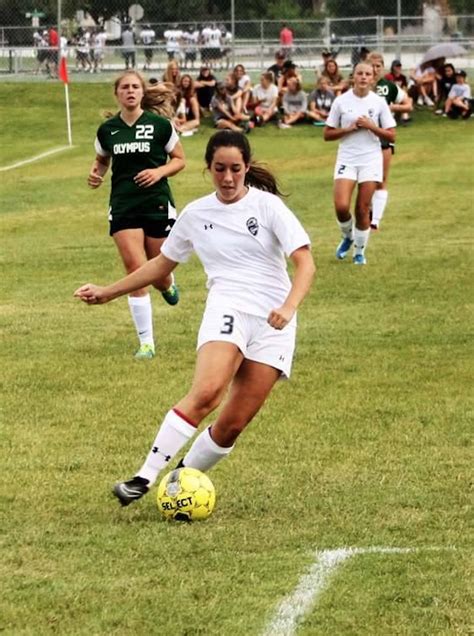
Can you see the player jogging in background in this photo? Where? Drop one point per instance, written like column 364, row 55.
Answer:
column 241, row 233
column 360, row 119
column 144, row 150
column 399, row 103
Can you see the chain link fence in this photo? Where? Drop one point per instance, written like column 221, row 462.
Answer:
column 25, row 49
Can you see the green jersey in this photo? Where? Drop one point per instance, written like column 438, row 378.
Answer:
column 392, row 93
column 146, row 144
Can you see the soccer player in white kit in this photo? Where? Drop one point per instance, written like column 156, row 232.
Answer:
column 360, row 119
column 241, row 233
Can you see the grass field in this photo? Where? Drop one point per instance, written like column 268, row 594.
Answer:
column 369, row 444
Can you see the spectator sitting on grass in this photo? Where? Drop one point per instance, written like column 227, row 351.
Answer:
column 264, row 99
column 223, row 113
column 459, row 100
column 320, row 102
column 294, row 103
column 336, row 82
column 446, row 80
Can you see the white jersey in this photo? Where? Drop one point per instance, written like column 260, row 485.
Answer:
column 242, row 247
column 360, row 147
column 147, row 36
column 211, row 37
column 173, row 37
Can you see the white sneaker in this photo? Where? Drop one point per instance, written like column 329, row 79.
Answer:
column 187, row 133
column 429, row 101
column 283, row 126
column 419, row 101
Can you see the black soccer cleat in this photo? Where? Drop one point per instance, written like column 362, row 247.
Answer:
column 131, row 490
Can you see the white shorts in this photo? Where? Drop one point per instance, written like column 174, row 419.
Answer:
column 370, row 172
column 252, row 335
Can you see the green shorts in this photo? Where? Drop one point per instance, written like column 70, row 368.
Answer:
column 388, row 144
column 155, row 223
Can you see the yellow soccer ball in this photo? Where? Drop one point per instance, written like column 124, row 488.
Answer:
column 186, row 494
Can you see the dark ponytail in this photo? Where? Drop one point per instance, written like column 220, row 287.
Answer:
column 257, row 176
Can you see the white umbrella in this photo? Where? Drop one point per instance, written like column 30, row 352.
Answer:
column 447, row 49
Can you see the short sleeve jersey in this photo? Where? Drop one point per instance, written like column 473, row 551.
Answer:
column 265, row 95
column 460, row 90
column 360, row 147
column 146, row 144
column 392, row 93
column 295, row 102
column 242, row 247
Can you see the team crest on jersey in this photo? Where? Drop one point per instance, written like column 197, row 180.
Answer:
column 371, row 112
column 252, row 226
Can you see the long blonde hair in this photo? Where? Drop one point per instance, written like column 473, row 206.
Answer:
column 157, row 98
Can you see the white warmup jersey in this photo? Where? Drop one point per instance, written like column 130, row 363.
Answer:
column 360, row 147
column 242, row 247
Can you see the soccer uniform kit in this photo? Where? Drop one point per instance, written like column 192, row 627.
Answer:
column 242, row 247
column 144, row 145
column 393, row 94
column 359, row 156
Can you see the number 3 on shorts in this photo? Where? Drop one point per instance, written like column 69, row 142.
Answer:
column 228, row 326
column 341, row 169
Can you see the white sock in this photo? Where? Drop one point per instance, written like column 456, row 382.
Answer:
column 140, row 308
column 205, row 453
column 172, row 435
column 379, row 201
column 361, row 238
column 346, row 228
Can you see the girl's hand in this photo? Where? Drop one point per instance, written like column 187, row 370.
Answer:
column 94, row 180
column 365, row 122
column 148, row 177
column 279, row 318
column 91, row 294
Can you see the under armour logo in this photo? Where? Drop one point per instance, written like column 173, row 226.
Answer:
column 282, row 358
column 208, row 227
column 155, row 450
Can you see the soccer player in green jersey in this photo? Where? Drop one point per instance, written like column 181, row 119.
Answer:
column 144, row 150
column 399, row 103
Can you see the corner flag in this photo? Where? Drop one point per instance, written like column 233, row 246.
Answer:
column 64, row 77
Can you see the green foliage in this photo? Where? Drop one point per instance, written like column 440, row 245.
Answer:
column 369, row 443
column 362, row 8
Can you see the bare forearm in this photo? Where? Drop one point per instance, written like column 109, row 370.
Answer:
column 333, row 134
column 152, row 271
column 302, row 280
column 174, row 165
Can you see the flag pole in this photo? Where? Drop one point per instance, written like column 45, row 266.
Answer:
column 68, row 113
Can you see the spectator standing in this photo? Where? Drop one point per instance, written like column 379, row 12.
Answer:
column 42, row 52
column 211, row 37
column 286, row 40
column 147, row 37
column 191, row 42
column 98, row 43
column 128, row 47
column 53, row 43
column 173, row 39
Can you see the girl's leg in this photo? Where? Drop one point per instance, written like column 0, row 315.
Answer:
column 343, row 189
column 362, row 213
column 152, row 249
column 380, row 198
column 250, row 388
column 131, row 246
column 216, row 365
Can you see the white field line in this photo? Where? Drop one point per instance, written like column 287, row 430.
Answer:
column 36, row 158
column 311, row 585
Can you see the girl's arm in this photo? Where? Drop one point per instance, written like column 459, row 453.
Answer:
column 152, row 272
column 97, row 171
column 333, row 134
column 304, row 272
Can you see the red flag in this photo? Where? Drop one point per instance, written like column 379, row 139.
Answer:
column 62, row 72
